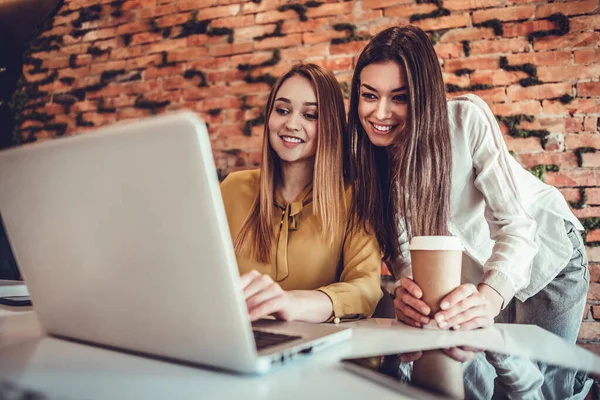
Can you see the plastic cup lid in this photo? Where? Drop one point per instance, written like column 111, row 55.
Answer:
column 435, row 243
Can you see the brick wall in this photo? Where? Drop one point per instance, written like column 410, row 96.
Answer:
column 536, row 63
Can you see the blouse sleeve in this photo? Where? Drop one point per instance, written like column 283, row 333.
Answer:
column 401, row 267
column 358, row 291
column 513, row 231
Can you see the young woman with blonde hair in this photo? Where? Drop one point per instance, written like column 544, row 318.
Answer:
column 297, row 254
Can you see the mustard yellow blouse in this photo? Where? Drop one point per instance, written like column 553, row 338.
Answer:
column 348, row 271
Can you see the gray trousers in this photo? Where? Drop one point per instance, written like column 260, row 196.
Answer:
column 558, row 308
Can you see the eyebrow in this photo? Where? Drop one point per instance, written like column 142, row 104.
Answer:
column 400, row 89
column 306, row 103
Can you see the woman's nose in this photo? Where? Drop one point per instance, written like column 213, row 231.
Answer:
column 292, row 123
column 383, row 111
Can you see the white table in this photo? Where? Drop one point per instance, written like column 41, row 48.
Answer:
column 71, row 370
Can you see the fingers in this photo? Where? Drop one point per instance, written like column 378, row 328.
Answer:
column 270, row 306
column 411, row 287
column 409, row 309
column 461, row 310
column 412, row 356
column 256, row 283
column 460, row 354
column 248, row 277
column 458, row 295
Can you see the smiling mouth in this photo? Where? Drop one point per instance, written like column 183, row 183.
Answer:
column 291, row 139
column 382, row 129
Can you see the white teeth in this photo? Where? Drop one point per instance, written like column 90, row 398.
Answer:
column 383, row 128
column 290, row 139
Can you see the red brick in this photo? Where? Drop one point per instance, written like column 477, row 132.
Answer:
column 504, row 14
column 570, row 178
column 497, row 77
column 587, row 23
column 593, row 253
column 596, row 316
column 568, row 73
column 131, row 113
column 501, row 46
column 128, row 52
column 406, row 11
column 550, row 124
column 449, row 50
column 576, row 107
column 153, row 73
column 456, row 80
column 247, row 88
column 230, row 49
column 565, row 160
column 539, row 92
column 312, row 25
column 593, row 197
column 587, row 56
column 525, row 28
column 222, row 103
column 594, row 294
column 594, row 272
column 303, row 52
column 98, row 68
column 245, row 142
column 233, row 22
column 228, row 130
column 203, row 40
column 590, row 160
column 541, row 59
column 348, row 48
column 204, row 92
column 138, row 4
column 276, row 70
column 381, row 25
column 274, row 16
column 143, row 61
column 172, row 20
column 522, row 107
column 187, row 54
column 279, row 42
column 458, row 5
column 575, row 141
column 336, row 64
column 330, row 9
column 493, row 95
column 588, row 89
column 451, row 21
column 145, row 37
column 358, row 17
column 476, row 63
column 158, row 11
column 384, row 3
column 253, row 58
column 523, row 145
column 569, row 194
column 468, row 34
column 249, row 33
column 321, row 37
column 99, row 34
column 56, row 63
column 211, row 63
column 569, row 7
column 225, row 76
column 264, row 5
column 133, row 27
column 568, row 41
column 590, row 124
column 190, row 5
column 170, row 45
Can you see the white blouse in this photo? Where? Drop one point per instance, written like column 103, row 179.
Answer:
column 501, row 212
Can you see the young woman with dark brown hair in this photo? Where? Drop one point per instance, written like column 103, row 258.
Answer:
column 429, row 166
column 298, row 257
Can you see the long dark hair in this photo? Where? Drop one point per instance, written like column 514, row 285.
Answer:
column 410, row 181
column 330, row 171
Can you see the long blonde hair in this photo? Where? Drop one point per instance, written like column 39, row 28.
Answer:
column 330, row 171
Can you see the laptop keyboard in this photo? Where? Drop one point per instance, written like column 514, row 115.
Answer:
column 265, row 340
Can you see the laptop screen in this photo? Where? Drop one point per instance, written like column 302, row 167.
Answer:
column 457, row 373
column 8, row 264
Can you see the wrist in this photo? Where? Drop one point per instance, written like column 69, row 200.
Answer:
column 494, row 298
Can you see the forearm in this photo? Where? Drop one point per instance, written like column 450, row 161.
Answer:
column 493, row 296
column 310, row 305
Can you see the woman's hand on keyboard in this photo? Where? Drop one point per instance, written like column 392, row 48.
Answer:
column 265, row 297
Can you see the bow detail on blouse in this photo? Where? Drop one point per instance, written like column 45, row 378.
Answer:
column 290, row 221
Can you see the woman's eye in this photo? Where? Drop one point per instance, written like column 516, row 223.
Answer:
column 368, row 96
column 281, row 111
column 311, row 117
column 402, row 98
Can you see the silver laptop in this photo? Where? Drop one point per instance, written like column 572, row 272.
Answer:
column 123, row 241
